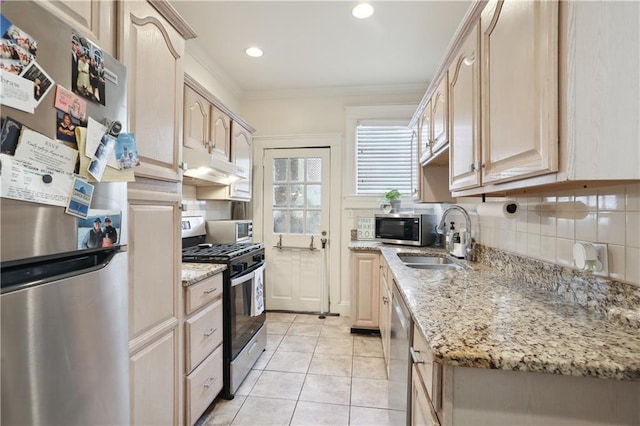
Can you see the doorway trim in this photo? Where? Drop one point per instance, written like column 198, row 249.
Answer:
column 339, row 297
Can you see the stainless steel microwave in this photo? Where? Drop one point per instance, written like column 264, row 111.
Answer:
column 406, row 228
column 229, row 231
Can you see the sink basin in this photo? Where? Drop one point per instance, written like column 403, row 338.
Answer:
column 436, row 266
column 427, row 262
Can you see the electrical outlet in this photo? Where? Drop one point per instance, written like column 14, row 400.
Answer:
column 603, row 257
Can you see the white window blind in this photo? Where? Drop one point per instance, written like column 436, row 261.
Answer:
column 383, row 158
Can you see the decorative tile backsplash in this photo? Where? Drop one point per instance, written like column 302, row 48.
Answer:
column 210, row 210
column 548, row 226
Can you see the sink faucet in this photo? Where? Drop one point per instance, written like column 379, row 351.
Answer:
column 469, row 248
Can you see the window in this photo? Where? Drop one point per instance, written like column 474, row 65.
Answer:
column 297, row 191
column 384, row 158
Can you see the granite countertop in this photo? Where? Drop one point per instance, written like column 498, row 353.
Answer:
column 482, row 317
column 194, row 272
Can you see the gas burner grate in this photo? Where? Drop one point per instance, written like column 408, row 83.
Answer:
column 217, row 252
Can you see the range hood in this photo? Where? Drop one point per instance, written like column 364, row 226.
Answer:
column 208, row 169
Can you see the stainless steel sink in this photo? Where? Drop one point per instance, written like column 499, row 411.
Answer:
column 425, row 259
column 427, row 262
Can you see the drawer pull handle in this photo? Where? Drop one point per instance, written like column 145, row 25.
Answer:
column 210, row 290
column 414, row 356
column 209, row 332
column 211, row 381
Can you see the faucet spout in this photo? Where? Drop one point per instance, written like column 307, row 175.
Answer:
column 468, row 247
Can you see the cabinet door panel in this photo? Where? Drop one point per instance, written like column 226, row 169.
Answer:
column 440, row 116
column 153, row 54
column 242, row 156
column 425, row 133
column 196, row 120
column 154, row 251
column 153, row 382
column 365, row 297
column 220, row 132
column 94, row 18
column 519, row 45
column 464, row 115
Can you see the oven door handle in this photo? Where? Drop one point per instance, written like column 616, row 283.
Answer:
column 247, row 275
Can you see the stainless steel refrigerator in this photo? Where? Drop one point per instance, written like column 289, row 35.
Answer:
column 64, row 309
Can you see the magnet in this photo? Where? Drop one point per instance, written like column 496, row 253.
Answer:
column 47, row 178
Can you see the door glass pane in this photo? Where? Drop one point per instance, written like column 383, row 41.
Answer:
column 280, row 195
column 314, row 169
column 297, row 187
column 280, row 221
column 313, row 222
column 297, row 224
column 314, row 195
column 297, row 169
column 297, row 196
column 280, row 169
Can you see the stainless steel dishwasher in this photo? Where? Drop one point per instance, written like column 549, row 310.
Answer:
column 399, row 357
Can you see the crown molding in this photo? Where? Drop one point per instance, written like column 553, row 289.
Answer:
column 174, row 18
column 314, row 92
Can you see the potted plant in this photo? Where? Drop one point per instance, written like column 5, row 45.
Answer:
column 393, row 197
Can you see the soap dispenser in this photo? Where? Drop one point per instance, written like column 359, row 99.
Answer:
column 449, row 239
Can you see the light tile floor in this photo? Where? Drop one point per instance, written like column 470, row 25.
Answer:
column 313, row 372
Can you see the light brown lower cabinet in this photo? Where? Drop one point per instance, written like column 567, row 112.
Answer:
column 365, row 289
column 203, row 345
column 446, row 395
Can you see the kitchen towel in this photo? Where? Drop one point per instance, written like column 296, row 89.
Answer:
column 503, row 209
column 257, row 293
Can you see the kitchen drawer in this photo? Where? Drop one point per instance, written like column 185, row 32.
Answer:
column 430, row 372
column 203, row 292
column 203, row 333
column 203, row 385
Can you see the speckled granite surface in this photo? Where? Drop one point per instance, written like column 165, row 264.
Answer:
column 194, row 272
column 493, row 314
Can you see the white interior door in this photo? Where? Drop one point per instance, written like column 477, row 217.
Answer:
column 296, row 213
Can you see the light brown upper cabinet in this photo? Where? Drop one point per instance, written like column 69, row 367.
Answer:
column 440, row 116
column 94, row 19
column 197, row 112
column 425, row 133
column 153, row 52
column 435, row 127
column 464, row 115
column 206, row 127
column 242, row 156
column 220, row 132
column 519, row 90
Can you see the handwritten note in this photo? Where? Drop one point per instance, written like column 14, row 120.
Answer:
column 37, row 148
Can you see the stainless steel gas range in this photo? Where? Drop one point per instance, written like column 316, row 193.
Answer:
column 244, row 331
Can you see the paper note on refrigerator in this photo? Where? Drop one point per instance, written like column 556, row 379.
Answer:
column 34, row 182
column 37, row 148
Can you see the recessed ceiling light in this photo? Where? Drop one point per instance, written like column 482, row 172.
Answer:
column 362, row 10
column 254, row 52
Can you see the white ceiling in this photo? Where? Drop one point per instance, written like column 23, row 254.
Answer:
column 318, row 44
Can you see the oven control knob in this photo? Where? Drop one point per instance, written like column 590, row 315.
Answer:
column 240, row 266
column 258, row 257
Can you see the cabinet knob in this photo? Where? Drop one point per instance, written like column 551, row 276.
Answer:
column 473, row 167
column 209, row 332
column 210, row 382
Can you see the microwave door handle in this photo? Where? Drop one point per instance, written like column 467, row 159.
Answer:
column 243, row 279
